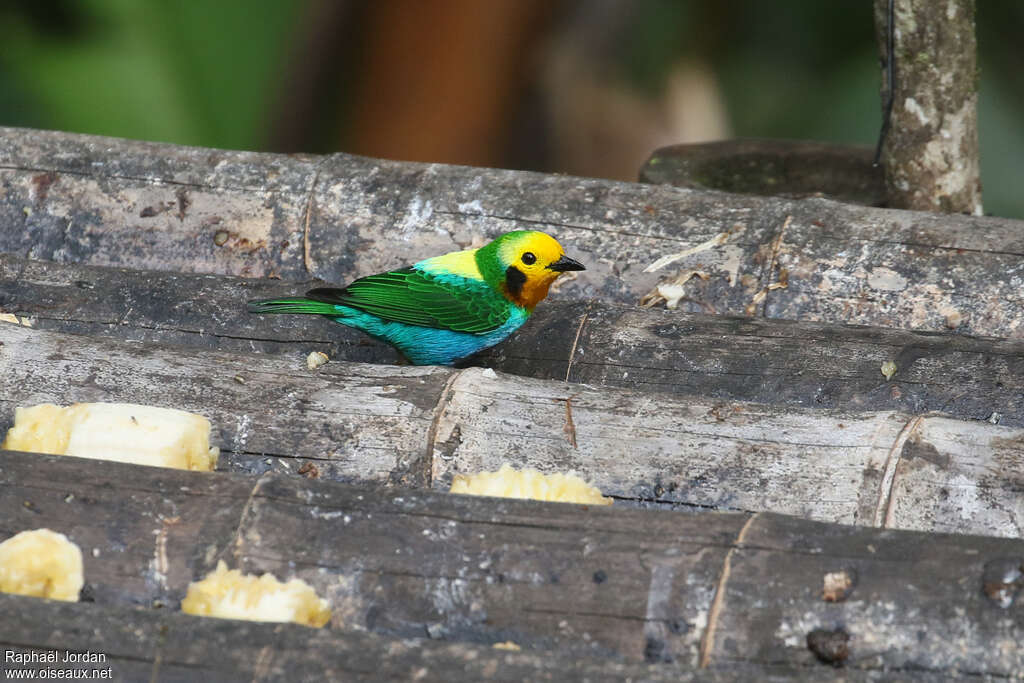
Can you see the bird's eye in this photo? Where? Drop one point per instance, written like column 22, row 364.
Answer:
column 529, row 259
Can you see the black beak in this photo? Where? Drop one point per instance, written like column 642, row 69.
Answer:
column 565, row 263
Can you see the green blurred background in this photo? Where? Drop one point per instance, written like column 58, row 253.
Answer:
column 587, row 87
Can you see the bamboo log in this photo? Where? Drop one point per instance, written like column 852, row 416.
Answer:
column 766, row 361
column 763, row 360
column 421, row 426
column 703, row 590
column 98, row 200
column 159, row 646
column 342, row 422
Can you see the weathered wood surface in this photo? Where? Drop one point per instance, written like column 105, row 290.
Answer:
column 165, row 646
column 750, row 359
column 421, row 426
column 85, row 199
column 875, row 468
column 702, row 590
column 366, row 422
column 794, row 168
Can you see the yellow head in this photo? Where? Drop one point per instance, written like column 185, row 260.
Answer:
column 523, row 264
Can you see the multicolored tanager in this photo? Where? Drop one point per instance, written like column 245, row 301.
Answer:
column 444, row 308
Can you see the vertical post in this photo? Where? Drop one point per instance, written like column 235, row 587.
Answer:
column 930, row 154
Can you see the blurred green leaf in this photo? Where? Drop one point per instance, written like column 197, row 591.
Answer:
column 200, row 73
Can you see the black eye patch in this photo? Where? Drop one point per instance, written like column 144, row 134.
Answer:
column 529, row 259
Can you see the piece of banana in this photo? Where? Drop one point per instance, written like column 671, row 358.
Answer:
column 41, row 563
column 144, row 435
column 230, row 594
column 511, row 483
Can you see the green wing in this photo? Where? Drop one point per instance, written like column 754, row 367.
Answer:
column 414, row 297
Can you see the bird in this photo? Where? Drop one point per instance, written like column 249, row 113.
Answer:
column 442, row 309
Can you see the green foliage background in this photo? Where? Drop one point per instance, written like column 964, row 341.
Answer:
column 210, row 73
column 197, row 73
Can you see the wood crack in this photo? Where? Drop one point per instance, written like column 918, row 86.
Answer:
column 148, row 180
column 571, row 226
column 761, row 297
column 161, row 634
column 442, row 402
column 922, row 245
column 306, row 258
column 707, row 642
column 236, row 538
column 884, row 506
column 576, row 340
column 570, row 426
